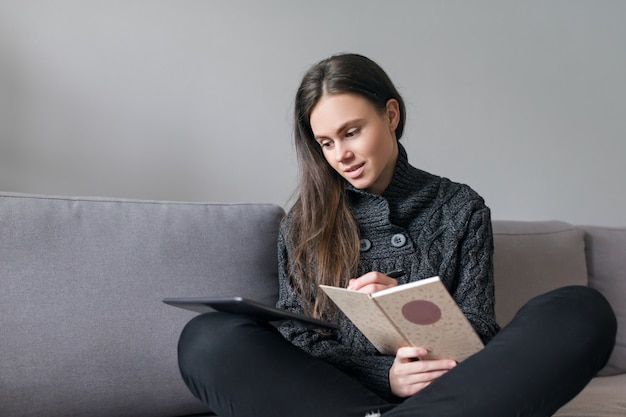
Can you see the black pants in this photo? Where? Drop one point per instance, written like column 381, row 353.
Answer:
column 552, row 348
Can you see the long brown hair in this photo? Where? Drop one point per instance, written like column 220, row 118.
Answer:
column 323, row 238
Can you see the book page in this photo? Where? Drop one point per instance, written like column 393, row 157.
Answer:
column 427, row 315
column 368, row 318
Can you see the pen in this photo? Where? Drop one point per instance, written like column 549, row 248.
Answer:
column 395, row 274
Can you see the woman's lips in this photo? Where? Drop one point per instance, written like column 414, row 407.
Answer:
column 354, row 171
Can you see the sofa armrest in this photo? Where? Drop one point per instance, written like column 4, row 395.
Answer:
column 606, row 262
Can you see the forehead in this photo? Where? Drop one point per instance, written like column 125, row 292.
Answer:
column 333, row 111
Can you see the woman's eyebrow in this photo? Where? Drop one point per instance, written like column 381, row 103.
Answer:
column 341, row 128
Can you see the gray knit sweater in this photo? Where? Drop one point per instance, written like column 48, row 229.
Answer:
column 425, row 225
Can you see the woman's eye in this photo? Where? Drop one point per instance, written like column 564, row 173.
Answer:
column 352, row 132
column 326, row 144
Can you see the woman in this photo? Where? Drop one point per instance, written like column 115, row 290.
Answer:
column 363, row 210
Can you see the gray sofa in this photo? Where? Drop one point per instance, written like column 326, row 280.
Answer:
column 84, row 332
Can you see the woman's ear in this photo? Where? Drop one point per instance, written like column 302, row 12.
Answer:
column 392, row 113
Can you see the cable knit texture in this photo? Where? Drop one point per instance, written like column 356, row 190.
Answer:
column 447, row 231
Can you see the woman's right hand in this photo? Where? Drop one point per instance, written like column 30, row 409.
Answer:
column 372, row 282
column 410, row 374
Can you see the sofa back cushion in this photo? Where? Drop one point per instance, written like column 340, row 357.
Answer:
column 606, row 262
column 532, row 258
column 84, row 331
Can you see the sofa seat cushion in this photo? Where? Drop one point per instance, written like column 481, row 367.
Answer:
column 603, row 397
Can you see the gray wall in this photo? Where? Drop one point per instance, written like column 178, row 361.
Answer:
column 192, row 100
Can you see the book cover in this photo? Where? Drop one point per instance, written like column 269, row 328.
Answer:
column 421, row 313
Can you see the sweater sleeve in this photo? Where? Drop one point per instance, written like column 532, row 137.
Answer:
column 372, row 370
column 474, row 291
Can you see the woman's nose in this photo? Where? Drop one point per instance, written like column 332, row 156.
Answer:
column 342, row 152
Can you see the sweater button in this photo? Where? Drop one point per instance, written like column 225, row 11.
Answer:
column 365, row 245
column 398, row 240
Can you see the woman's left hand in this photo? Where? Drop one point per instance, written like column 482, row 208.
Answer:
column 410, row 374
column 372, row 282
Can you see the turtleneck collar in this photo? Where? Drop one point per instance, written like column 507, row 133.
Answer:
column 408, row 187
column 404, row 177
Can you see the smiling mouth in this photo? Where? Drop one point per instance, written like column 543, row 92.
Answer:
column 354, row 171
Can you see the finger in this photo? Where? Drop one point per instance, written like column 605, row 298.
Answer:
column 411, row 353
column 357, row 283
column 423, row 378
column 403, row 368
column 407, row 385
column 371, row 278
column 372, row 288
column 411, row 379
column 429, row 366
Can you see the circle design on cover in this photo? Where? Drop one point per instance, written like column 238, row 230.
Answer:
column 421, row 312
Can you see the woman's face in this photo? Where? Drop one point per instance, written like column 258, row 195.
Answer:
column 357, row 140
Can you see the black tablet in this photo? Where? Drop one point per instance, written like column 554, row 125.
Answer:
column 241, row 305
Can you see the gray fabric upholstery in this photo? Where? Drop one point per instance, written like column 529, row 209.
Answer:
column 603, row 397
column 84, row 332
column 606, row 262
column 532, row 258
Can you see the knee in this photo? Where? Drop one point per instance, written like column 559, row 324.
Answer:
column 586, row 303
column 598, row 314
column 209, row 338
column 198, row 341
column 583, row 311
